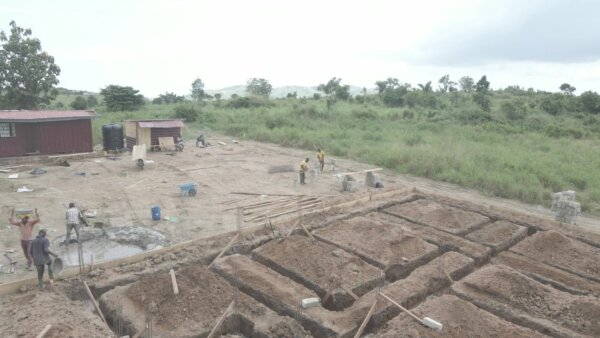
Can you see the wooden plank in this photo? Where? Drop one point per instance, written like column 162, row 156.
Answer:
column 308, row 233
column 366, row 320
column 224, row 249
column 44, row 331
column 350, row 292
column 285, row 213
column 402, row 308
column 174, row 281
column 89, row 293
column 217, row 326
column 357, row 172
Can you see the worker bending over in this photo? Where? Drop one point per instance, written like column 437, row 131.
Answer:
column 74, row 216
column 303, row 169
column 321, row 158
column 26, row 228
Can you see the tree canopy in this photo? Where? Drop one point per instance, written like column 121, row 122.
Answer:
column 335, row 89
column 260, row 87
column 28, row 75
column 198, row 92
column 119, row 98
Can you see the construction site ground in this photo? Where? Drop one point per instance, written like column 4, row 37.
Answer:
column 481, row 266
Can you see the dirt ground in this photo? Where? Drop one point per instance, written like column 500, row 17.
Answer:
column 469, row 261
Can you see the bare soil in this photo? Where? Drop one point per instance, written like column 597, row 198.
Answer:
column 460, row 319
column 26, row 314
column 386, row 246
column 498, row 235
column 516, row 297
column 439, row 216
column 556, row 249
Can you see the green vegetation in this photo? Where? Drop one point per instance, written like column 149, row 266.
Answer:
column 27, row 74
column 522, row 147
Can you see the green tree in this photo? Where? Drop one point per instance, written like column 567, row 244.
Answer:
column 590, row 102
column 198, row 92
column 389, row 83
column 426, row 87
column 394, row 96
column 92, row 101
column 567, row 89
column 218, row 96
column 259, row 87
column 28, row 75
column 483, row 85
column 120, row 98
column 466, row 84
column 445, row 85
column 79, row 103
column 334, row 89
column 171, row 98
column 157, row 100
column 553, row 104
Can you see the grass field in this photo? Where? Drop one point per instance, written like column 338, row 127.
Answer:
column 526, row 159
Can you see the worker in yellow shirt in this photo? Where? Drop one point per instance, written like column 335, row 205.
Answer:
column 321, row 158
column 303, row 169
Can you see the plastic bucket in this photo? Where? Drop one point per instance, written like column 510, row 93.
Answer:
column 155, row 213
column 57, row 266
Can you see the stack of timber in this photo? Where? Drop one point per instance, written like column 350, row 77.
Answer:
column 273, row 206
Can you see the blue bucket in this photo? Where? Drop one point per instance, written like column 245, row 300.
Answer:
column 155, row 213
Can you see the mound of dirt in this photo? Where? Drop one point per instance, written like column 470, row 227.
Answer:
column 202, row 298
column 287, row 328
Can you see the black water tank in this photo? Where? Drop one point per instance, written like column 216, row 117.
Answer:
column 112, row 136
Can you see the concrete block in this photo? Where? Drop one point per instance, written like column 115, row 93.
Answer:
column 310, row 302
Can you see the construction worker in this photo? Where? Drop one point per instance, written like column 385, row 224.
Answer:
column 73, row 218
column 40, row 252
column 303, row 169
column 321, row 158
column 26, row 227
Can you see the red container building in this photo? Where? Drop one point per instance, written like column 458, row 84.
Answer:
column 45, row 132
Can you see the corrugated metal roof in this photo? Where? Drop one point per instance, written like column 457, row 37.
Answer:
column 161, row 124
column 44, row 115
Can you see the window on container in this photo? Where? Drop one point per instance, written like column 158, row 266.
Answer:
column 7, row 129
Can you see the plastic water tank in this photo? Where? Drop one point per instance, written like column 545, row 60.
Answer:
column 112, row 136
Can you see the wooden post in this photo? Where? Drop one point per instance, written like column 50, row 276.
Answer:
column 224, row 249
column 89, row 293
column 213, row 332
column 174, row 282
column 91, row 262
column 350, row 292
column 366, row 320
column 307, row 232
column 402, row 308
column 44, row 331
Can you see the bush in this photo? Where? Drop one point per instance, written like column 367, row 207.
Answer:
column 276, row 121
column 79, row 103
column 305, row 110
column 366, row 114
column 187, row 112
column 413, row 140
column 552, row 104
column 514, row 110
column 248, row 102
column 590, row 102
column 408, row 115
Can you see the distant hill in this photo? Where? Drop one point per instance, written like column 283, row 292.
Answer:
column 280, row 91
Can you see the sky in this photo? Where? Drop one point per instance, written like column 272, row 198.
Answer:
column 163, row 45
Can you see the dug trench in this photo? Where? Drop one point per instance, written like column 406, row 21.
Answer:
column 356, row 255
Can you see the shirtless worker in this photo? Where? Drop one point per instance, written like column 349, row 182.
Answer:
column 321, row 158
column 303, row 169
column 26, row 227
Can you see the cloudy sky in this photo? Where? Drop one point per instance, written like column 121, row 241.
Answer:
column 163, row 45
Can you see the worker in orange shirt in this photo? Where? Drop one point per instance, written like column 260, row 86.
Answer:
column 321, row 158
column 303, row 169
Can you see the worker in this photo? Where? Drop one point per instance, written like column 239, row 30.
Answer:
column 40, row 250
column 25, row 225
column 303, row 169
column 321, row 158
column 200, row 141
column 74, row 216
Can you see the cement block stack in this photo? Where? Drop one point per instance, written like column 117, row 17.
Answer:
column 565, row 206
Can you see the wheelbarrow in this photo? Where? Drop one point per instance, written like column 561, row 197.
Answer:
column 188, row 189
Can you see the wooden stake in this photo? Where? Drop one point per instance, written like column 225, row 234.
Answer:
column 293, row 227
column 174, row 282
column 224, row 249
column 366, row 320
column 91, row 262
column 307, row 232
column 402, row 308
column 350, row 292
column 139, row 334
column 89, row 293
column 44, row 331
column 220, row 321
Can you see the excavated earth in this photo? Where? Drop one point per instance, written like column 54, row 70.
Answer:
column 481, row 272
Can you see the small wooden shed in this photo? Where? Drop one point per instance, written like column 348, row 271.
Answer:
column 45, row 132
column 148, row 131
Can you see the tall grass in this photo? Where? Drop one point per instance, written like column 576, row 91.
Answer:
column 511, row 159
